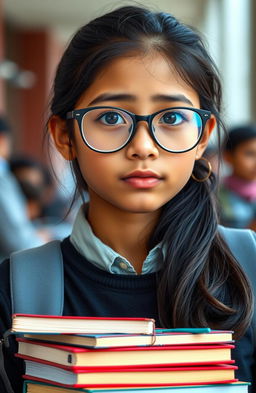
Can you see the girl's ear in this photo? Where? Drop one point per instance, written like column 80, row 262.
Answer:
column 209, row 127
column 59, row 133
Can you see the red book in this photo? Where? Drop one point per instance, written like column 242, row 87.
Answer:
column 162, row 376
column 152, row 356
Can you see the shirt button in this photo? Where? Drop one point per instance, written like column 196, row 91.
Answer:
column 123, row 265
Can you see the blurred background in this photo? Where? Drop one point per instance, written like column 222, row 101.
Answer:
column 33, row 34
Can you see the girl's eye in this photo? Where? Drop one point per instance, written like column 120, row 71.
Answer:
column 111, row 118
column 172, row 118
column 250, row 153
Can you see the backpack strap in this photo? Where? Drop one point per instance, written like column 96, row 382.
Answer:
column 242, row 243
column 37, row 280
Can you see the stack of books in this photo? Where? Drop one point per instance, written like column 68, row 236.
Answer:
column 98, row 355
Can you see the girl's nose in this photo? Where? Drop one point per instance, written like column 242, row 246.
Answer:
column 142, row 146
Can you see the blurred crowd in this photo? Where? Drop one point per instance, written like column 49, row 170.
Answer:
column 33, row 208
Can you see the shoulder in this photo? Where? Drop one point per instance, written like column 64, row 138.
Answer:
column 237, row 232
column 237, row 238
column 242, row 244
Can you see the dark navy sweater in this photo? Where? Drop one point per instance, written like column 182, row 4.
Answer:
column 90, row 291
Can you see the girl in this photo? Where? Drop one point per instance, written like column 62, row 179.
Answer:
column 238, row 191
column 136, row 97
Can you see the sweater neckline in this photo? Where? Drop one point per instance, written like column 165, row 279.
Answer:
column 76, row 262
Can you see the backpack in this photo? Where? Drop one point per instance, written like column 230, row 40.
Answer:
column 37, row 277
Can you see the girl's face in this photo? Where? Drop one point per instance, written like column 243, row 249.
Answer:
column 243, row 160
column 141, row 177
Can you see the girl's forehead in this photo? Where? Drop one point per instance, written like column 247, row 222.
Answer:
column 139, row 75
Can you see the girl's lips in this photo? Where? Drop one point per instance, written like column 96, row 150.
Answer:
column 142, row 173
column 142, row 179
column 142, row 182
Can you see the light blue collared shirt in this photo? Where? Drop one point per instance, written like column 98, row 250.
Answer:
column 103, row 256
column 3, row 165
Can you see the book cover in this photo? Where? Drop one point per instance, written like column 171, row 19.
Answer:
column 162, row 337
column 127, row 356
column 236, row 387
column 46, row 372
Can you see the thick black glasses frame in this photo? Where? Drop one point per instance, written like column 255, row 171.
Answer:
column 79, row 113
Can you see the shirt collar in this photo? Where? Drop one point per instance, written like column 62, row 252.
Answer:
column 103, row 256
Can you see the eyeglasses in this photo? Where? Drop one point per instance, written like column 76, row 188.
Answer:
column 107, row 129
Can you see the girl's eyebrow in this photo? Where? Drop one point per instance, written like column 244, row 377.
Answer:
column 172, row 98
column 129, row 97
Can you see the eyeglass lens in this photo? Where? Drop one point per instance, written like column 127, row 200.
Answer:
column 107, row 129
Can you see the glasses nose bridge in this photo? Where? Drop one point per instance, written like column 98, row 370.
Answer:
column 138, row 118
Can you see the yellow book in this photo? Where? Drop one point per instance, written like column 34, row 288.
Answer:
column 111, row 377
column 125, row 356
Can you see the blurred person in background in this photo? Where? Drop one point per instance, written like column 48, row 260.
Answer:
column 45, row 208
column 16, row 230
column 237, row 196
column 30, row 175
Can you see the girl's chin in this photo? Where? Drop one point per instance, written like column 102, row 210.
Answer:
column 142, row 208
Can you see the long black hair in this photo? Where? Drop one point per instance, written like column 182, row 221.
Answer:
column 201, row 283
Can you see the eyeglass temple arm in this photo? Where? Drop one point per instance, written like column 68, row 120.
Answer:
column 72, row 115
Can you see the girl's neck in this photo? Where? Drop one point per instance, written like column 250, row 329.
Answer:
column 125, row 232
